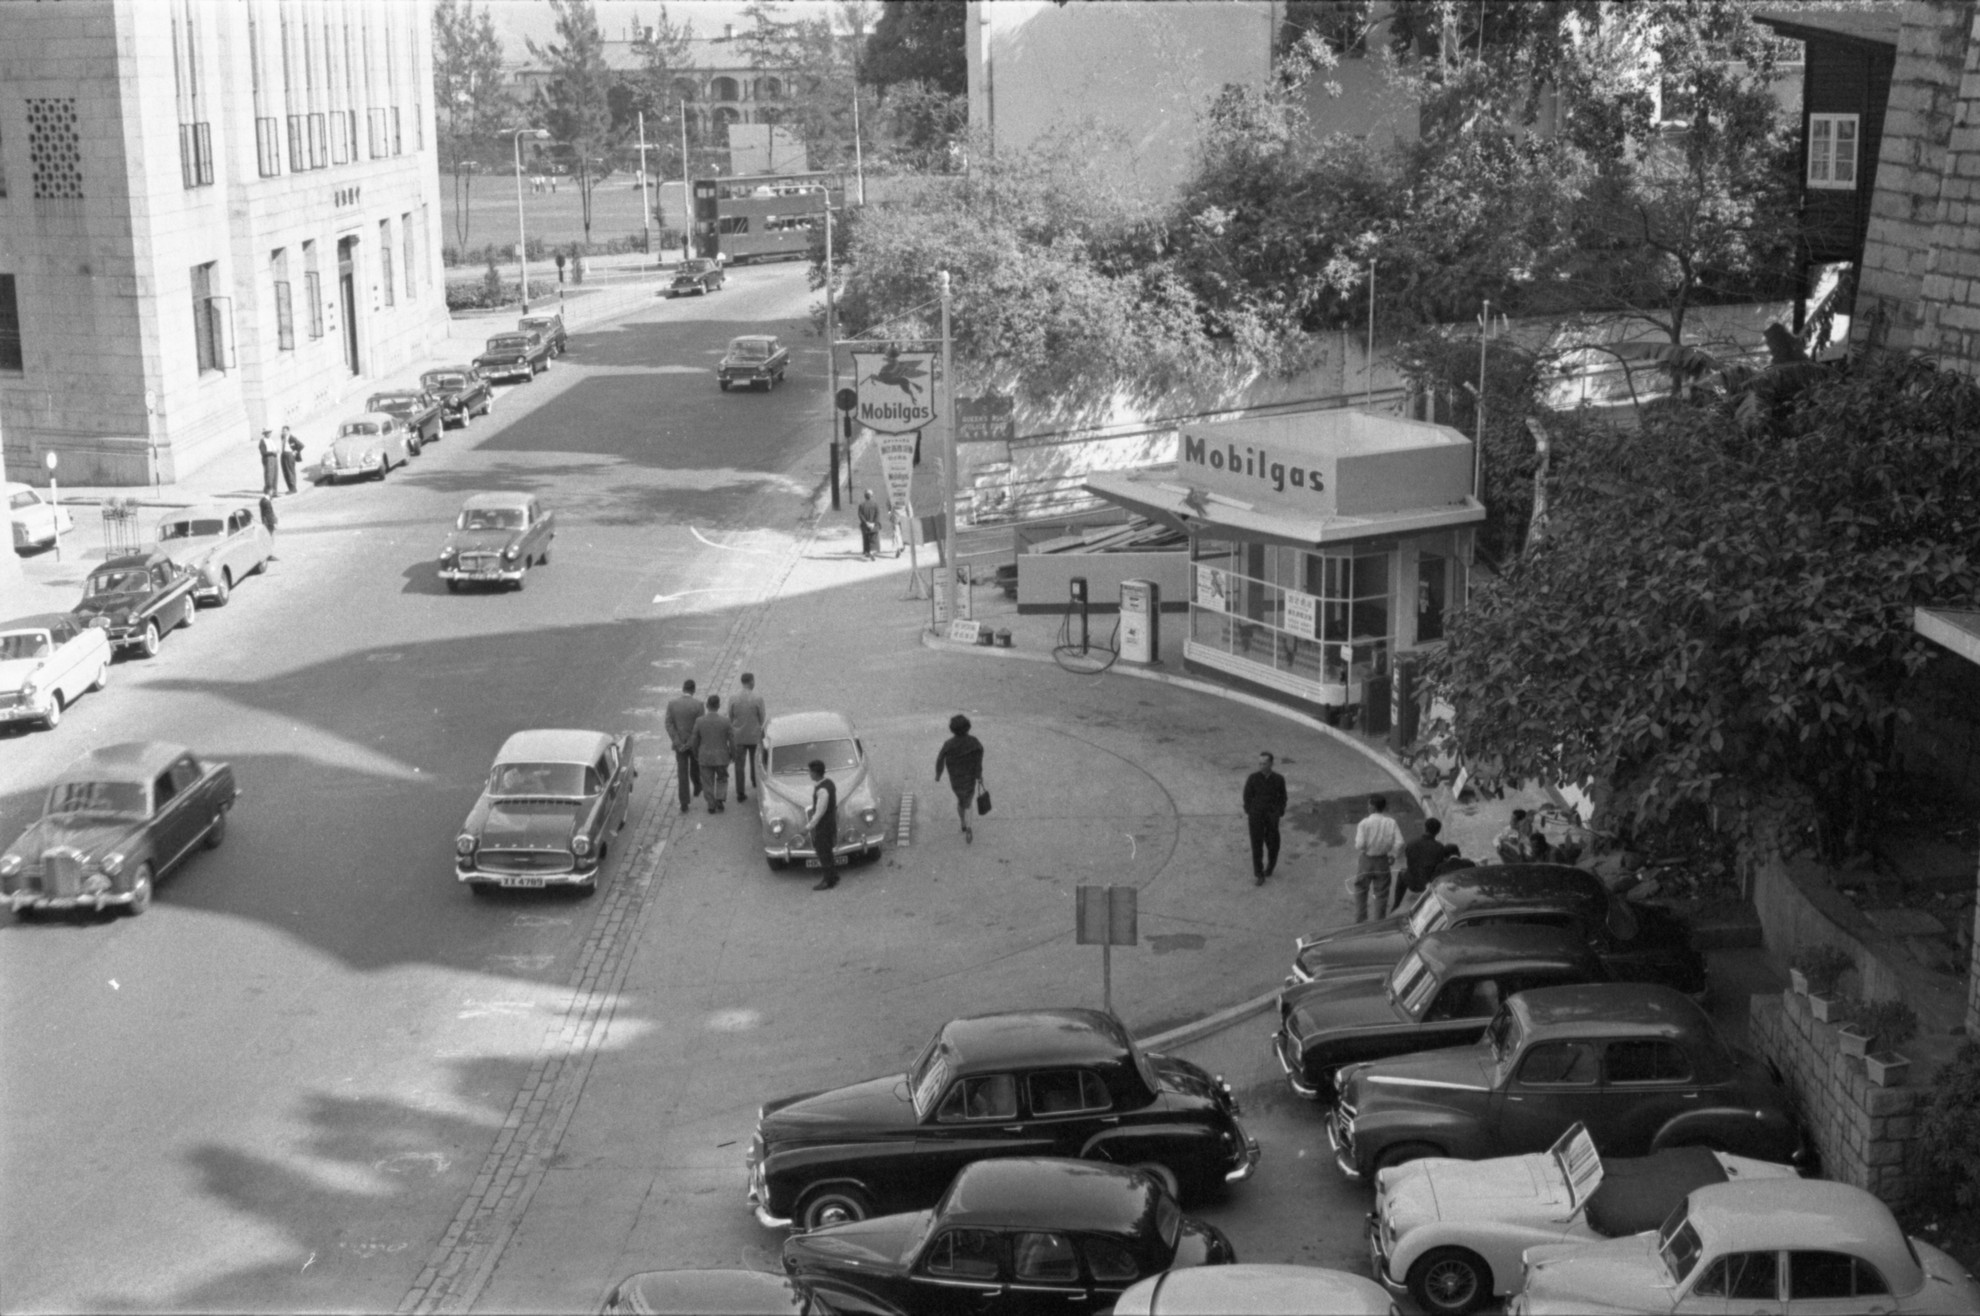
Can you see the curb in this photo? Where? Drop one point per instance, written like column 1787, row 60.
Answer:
column 1209, row 1023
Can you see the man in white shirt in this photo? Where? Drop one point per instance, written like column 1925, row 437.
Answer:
column 1377, row 843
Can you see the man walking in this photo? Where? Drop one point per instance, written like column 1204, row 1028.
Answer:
column 1421, row 860
column 869, row 526
column 269, row 465
column 746, row 717
column 1264, row 805
column 291, row 455
column 823, row 822
column 714, row 741
column 683, row 711
column 1377, row 841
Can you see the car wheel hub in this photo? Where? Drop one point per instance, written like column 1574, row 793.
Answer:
column 1450, row 1283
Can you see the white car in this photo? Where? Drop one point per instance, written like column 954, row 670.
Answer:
column 1769, row 1245
column 791, row 741
column 221, row 545
column 1245, row 1290
column 46, row 662
column 1450, row 1233
column 37, row 522
column 367, row 445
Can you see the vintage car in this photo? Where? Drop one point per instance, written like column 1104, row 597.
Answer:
column 1025, row 1234
column 219, row 546
column 1637, row 943
column 463, row 393
column 1445, row 990
column 550, row 328
column 547, row 815
column 514, row 356
column 1254, row 1290
column 1642, row 1066
column 371, row 444
column 495, row 539
column 790, row 742
column 707, row 1293
column 1450, row 1233
column 36, row 522
column 135, row 599
column 418, row 410
column 1763, row 1246
column 753, row 360
column 696, row 276
column 1029, row 1083
column 116, row 821
column 46, row 662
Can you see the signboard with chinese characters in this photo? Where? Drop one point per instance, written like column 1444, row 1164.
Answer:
column 896, row 390
column 1302, row 614
column 897, row 467
column 991, row 418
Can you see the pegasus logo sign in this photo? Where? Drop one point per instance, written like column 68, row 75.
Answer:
column 896, row 390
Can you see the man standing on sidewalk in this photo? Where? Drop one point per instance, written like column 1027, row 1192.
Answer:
column 823, row 823
column 714, row 741
column 1264, row 805
column 1421, row 859
column 1377, row 842
column 747, row 716
column 270, row 464
column 683, row 711
column 869, row 526
column 291, row 454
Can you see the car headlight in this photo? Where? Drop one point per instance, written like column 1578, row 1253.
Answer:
column 777, row 826
column 511, row 551
column 465, row 845
column 113, row 863
column 580, row 845
column 869, row 816
column 9, row 865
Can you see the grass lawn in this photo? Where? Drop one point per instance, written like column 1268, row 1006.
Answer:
column 555, row 217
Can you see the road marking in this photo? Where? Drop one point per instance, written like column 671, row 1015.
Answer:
column 522, row 963
column 734, row 1021
column 905, row 830
column 669, row 598
column 540, row 921
column 733, row 548
column 429, row 1162
column 475, row 1009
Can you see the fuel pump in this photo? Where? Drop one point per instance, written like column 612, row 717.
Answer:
column 1079, row 606
column 1141, row 621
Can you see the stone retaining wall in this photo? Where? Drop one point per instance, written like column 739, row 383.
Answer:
column 1866, row 1134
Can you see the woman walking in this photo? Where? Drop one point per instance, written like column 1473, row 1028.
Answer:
column 962, row 755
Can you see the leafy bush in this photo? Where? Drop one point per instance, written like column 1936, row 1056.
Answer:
column 1892, row 1023
column 1949, row 1130
column 485, row 296
column 1823, row 966
column 451, row 255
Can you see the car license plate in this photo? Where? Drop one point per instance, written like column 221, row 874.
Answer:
column 811, row 863
column 484, row 575
column 522, row 881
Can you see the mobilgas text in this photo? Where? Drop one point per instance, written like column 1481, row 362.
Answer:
column 1254, row 462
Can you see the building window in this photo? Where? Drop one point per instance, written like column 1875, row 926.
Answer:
column 1832, row 151
column 3, row 165
column 398, row 142
column 210, row 322
column 11, row 360
column 285, row 315
column 406, row 236
column 1321, row 618
column 385, row 258
column 54, row 147
column 196, row 154
column 313, row 290
column 340, row 134
column 268, row 146
column 319, row 143
column 298, row 150
column 375, row 123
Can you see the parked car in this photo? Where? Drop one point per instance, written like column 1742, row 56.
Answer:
column 46, row 662
column 547, row 815
column 1765, row 1246
column 1450, row 1233
column 753, row 360
column 136, row 599
column 1637, row 943
column 417, row 410
column 218, row 546
column 514, row 356
column 1642, row 1066
column 463, row 393
column 36, row 522
column 790, row 742
column 1254, row 1290
column 706, row 1293
column 371, row 444
column 116, row 821
column 696, row 276
column 495, row 539
column 550, row 328
column 1030, row 1083
column 1445, row 991
column 1017, row 1235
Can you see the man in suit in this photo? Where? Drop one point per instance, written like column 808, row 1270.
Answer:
column 1264, row 805
column 747, row 715
column 1421, row 860
column 683, row 711
column 714, row 743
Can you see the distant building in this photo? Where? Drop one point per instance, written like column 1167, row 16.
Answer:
column 214, row 216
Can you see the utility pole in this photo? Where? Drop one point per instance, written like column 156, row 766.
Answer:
column 832, row 355
column 1368, row 377
column 687, row 192
column 645, row 199
column 1478, row 445
column 949, row 461
column 859, row 157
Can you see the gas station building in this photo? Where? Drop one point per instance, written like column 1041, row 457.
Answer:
column 1325, row 548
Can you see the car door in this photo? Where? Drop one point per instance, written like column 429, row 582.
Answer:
column 1046, row 1275
column 1735, row 1284
column 1553, row 1084
column 962, row 1272
column 66, row 672
column 1111, row 1266
column 171, row 595
column 623, row 772
column 977, row 1118
column 1835, row 1284
column 1646, row 1082
column 193, row 798
column 167, row 830
column 1070, row 1107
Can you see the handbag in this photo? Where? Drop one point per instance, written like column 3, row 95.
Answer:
column 982, row 799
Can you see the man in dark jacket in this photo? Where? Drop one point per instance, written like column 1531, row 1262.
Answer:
column 683, row 711
column 1422, row 859
column 1264, row 805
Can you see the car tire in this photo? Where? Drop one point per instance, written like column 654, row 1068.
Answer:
column 1450, row 1281
column 517, row 583
column 141, row 891
column 225, row 589
column 217, row 832
column 483, row 889
column 148, row 646
column 102, row 675
column 54, row 718
column 543, row 558
column 724, row 383
column 453, row 587
column 776, row 865
column 1161, row 1174
column 1403, row 1153
column 832, row 1205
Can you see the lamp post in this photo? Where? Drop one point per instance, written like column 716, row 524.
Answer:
column 522, row 238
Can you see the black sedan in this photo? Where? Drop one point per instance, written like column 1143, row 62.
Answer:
column 1024, row 1235
column 417, row 410
column 1637, row 943
column 137, row 599
column 699, row 277
column 514, row 356
column 1445, row 990
column 754, row 361
column 1032, row 1083
column 463, row 393
column 550, row 328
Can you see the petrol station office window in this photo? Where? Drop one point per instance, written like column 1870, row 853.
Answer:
column 1832, row 151
column 1318, row 617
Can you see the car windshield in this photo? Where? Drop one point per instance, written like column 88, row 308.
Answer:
column 117, row 582
column 25, row 498
column 358, row 427
column 397, row 402
column 444, row 381
column 749, row 349
column 543, row 325
column 930, row 1076
column 491, row 518
column 16, row 645
column 123, row 799
column 1677, row 1243
column 796, row 757
column 694, row 267
column 1412, row 983
column 515, row 343
column 563, row 780
column 189, row 529
column 1430, row 914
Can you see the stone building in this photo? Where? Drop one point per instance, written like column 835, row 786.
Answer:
column 214, row 216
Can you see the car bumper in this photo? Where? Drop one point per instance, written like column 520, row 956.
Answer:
column 482, row 577
column 753, row 377
column 1343, row 1154
column 844, row 849
column 517, row 370
column 1378, row 1260
column 526, row 881
column 21, row 900
column 26, row 710
column 1248, row 1161
column 1301, row 1088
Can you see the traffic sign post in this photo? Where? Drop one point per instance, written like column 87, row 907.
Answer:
column 1105, row 916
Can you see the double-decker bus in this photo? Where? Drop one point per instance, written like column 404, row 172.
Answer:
column 762, row 216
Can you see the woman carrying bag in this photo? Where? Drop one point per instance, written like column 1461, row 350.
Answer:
column 962, row 757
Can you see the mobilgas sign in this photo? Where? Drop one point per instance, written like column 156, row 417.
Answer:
column 1238, row 464
column 896, row 390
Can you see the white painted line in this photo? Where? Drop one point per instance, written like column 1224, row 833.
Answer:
column 669, row 598
column 733, row 548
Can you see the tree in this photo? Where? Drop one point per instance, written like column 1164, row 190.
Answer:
column 918, row 41
column 656, row 89
column 467, row 94
column 1717, row 627
column 573, row 100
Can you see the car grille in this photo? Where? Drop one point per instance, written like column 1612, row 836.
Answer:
column 62, row 873
column 525, row 861
column 480, row 562
column 1344, row 1123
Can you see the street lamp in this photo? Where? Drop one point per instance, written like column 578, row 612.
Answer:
column 522, row 238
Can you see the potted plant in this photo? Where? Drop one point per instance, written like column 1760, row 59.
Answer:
column 1823, row 967
column 1887, row 1069
column 1891, row 1024
column 1831, row 1007
column 1852, row 1039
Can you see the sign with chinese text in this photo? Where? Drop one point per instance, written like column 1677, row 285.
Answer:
column 897, row 467
column 1302, row 614
column 991, row 418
